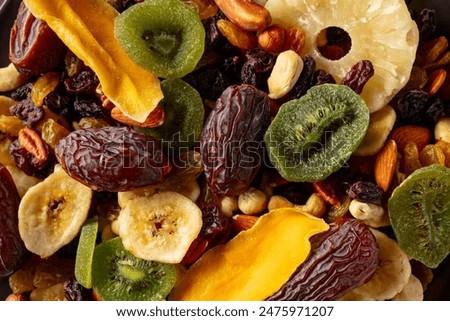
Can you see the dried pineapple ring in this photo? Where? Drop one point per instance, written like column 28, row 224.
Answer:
column 381, row 31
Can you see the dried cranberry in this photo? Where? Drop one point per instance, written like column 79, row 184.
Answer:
column 366, row 192
column 358, row 76
column 306, row 79
column 257, row 67
column 84, row 82
column 26, row 111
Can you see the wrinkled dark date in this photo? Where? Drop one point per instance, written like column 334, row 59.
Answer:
column 230, row 144
column 34, row 48
column 342, row 258
column 12, row 249
column 112, row 158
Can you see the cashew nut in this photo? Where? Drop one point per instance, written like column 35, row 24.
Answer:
column 442, row 129
column 228, row 205
column 252, row 201
column 10, row 78
column 372, row 214
column 285, row 73
column 315, row 205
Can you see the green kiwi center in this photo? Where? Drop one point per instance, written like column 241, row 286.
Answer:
column 129, row 271
column 165, row 44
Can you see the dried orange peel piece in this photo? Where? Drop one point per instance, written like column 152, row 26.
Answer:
column 255, row 263
column 87, row 28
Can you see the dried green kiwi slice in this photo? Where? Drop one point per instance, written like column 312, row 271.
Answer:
column 184, row 115
column 85, row 252
column 313, row 136
column 164, row 36
column 419, row 210
column 117, row 275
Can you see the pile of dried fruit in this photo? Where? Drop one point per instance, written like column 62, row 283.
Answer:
column 234, row 150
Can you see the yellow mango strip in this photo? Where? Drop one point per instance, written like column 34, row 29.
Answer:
column 87, row 28
column 254, row 264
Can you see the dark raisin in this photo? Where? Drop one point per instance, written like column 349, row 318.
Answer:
column 366, row 192
column 22, row 92
column 257, row 67
column 26, row 111
column 74, row 291
column 323, row 77
column 84, row 82
column 426, row 22
column 296, row 193
column 231, row 141
column 211, row 83
column 358, row 76
column 28, row 163
column 434, row 110
column 59, row 103
column 411, row 106
column 88, row 106
column 306, row 79
column 341, row 259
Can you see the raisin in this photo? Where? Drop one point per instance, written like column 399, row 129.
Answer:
column 231, row 141
column 22, row 92
column 26, row 111
column 88, row 106
column 434, row 111
column 112, row 158
column 59, row 103
column 74, row 291
column 426, row 22
column 84, row 82
column 358, row 76
column 210, row 83
column 411, row 107
column 306, row 79
column 367, row 192
column 323, row 77
column 28, row 163
column 341, row 259
column 256, row 70
column 12, row 249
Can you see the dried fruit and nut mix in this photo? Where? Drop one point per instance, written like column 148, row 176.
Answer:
column 224, row 150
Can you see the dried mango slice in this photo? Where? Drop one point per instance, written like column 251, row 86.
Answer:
column 254, row 264
column 87, row 28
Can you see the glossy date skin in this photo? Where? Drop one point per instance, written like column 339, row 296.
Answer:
column 342, row 258
column 34, row 48
column 231, row 141
column 112, row 158
column 12, row 249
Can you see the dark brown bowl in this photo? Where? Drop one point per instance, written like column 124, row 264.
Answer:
column 438, row 290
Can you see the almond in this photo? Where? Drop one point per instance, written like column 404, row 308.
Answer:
column 411, row 133
column 155, row 119
column 242, row 222
column 246, row 14
column 385, row 164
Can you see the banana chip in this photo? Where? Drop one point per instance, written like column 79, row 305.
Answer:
column 160, row 227
column 391, row 276
column 52, row 212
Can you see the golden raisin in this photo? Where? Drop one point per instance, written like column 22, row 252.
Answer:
column 52, row 132
column 445, row 147
column 43, row 86
column 431, row 154
column 411, row 158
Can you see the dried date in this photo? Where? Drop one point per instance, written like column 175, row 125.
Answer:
column 34, row 48
column 342, row 258
column 231, row 141
column 112, row 158
column 12, row 249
